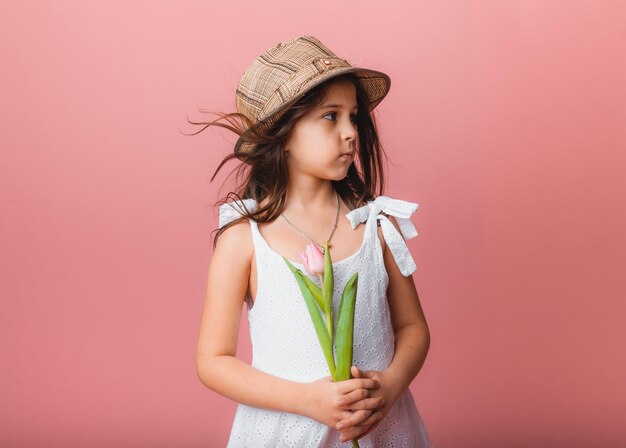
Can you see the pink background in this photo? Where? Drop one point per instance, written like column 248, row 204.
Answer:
column 505, row 122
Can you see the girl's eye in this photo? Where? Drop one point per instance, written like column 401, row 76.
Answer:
column 352, row 117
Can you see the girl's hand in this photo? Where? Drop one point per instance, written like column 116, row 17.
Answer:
column 323, row 398
column 350, row 427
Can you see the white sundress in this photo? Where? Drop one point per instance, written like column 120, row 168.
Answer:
column 284, row 342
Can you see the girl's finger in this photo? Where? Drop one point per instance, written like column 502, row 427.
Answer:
column 341, row 415
column 358, row 373
column 357, row 383
column 372, row 418
column 366, row 403
column 353, row 432
column 350, row 398
column 362, row 429
column 370, row 429
column 356, row 418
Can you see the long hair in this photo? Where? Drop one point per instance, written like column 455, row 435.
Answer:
column 264, row 169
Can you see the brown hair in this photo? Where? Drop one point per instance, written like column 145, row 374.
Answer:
column 264, row 169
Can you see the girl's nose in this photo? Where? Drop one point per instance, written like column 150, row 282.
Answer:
column 349, row 131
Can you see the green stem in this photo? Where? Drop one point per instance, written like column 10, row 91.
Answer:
column 328, row 312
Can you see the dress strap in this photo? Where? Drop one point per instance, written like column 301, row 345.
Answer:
column 229, row 211
column 402, row 211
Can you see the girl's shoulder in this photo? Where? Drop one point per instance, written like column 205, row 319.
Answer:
column 236, row 238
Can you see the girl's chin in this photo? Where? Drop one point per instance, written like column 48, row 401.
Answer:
column 341, row 175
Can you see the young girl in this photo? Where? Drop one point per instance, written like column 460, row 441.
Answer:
column 311, row 153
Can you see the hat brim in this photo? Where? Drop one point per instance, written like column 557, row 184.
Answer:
column 376, row 85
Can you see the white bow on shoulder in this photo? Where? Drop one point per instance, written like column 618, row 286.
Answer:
column 229, row 211
column 402, row 211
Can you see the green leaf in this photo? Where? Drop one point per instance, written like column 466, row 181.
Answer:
column 318, row 323
column 318, row 295
column 345, row 328
column 315, row 290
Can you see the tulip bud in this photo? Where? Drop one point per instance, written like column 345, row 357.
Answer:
column 312, row 259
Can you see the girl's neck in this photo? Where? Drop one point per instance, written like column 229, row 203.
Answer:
column 315, row 198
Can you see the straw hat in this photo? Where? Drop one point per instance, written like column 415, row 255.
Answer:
column 284, row 73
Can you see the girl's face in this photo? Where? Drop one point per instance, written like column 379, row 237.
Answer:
column 320, row 137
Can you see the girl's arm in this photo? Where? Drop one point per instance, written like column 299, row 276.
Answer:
column 412, row 340
column 412, row 336
column 216, row 364
column 222, row 372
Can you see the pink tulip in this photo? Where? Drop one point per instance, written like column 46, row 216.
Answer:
column 312, row 259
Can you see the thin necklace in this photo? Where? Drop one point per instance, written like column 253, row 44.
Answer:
column 308, row 237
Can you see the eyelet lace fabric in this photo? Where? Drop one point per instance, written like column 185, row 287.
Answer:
column 284, row 342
